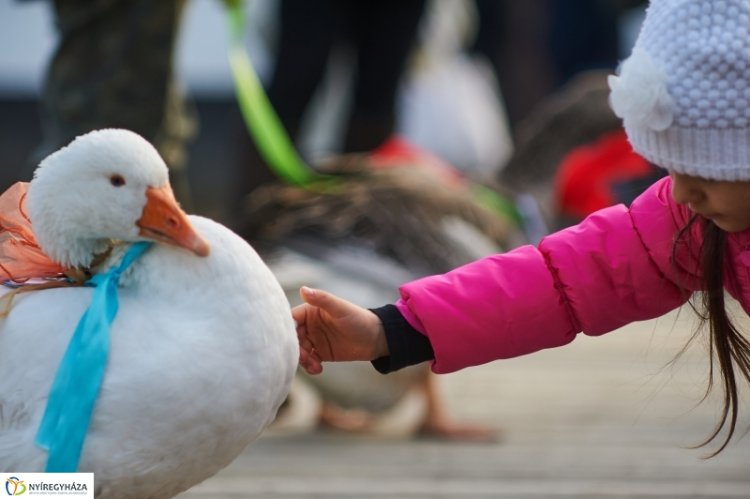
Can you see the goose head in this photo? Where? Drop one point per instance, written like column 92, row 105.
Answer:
column 107, row 185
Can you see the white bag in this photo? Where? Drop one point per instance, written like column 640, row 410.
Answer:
column 451, row 107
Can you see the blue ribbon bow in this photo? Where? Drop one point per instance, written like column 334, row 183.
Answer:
column 79, row 377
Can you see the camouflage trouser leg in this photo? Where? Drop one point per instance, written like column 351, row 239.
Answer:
column 113, row 67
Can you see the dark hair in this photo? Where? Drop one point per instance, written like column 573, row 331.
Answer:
column 727, row 346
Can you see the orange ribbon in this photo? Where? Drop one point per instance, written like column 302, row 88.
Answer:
column 21, row 258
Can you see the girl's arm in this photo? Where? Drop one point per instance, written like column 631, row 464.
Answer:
column 613, row 268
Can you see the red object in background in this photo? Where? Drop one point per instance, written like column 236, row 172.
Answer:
column 396, row 151
column 585, row 178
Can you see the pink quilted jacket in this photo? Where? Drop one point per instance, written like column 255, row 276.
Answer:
column 613, row 268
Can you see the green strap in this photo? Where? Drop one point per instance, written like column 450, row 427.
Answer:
column 496, row 203
column 261, row 119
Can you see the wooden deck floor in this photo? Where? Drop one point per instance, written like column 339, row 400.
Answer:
column 604, row 417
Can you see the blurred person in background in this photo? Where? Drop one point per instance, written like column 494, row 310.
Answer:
column 310, row 38
column 536, row 46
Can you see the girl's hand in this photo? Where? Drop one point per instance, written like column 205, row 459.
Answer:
column 332, row 329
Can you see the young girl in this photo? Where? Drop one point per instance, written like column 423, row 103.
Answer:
column 684, row 97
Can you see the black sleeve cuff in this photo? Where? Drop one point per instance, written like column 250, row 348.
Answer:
column 406, row 345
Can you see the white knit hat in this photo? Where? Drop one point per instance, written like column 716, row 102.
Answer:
column 684, row 92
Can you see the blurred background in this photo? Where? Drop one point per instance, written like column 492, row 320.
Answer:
column 506, row 95
column 451, row 99
column 201, row 65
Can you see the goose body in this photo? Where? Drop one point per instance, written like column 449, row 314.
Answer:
column 202, row 354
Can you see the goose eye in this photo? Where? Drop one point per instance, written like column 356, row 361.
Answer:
column 117, row 180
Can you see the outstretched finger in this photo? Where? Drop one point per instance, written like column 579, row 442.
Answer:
column 332, row 304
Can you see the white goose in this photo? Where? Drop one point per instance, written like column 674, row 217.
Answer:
column 203, row 348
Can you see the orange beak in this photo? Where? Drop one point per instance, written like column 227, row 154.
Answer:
column 163, row 220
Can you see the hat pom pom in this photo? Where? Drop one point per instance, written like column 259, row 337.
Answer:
column 639, row 94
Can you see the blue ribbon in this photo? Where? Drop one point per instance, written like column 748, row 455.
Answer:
column 79, row 377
